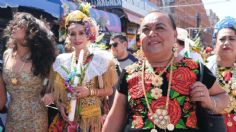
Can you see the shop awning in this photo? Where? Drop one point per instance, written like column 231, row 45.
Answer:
column 50, row 7
column 110, row 20
column 133, row 17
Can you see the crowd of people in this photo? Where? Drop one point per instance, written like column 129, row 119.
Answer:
column 164, row 87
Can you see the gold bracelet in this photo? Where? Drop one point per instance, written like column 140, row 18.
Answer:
column 96, row 92
column 92, row 92
column 89, row 92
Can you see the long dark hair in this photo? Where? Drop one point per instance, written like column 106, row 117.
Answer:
column 39, row 39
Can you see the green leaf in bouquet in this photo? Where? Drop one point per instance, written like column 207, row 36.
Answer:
column 100, row 37
column 65, row 69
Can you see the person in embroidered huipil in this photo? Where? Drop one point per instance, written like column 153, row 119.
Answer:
column 86, row 75
column 162, row 91
column 222, row 64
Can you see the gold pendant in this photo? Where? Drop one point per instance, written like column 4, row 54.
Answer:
column 229, row 124
column 153, row 130
column 14, row 81
column 161, row 118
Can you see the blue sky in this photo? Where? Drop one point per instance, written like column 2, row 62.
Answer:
column 222, row 8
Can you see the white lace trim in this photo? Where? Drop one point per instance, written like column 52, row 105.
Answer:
column 98, row 65
column 212, row 64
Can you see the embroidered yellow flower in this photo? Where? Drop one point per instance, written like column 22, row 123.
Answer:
column 156, row 93
column 157, row 81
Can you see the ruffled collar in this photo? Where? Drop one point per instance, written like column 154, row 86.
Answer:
column 97, row 66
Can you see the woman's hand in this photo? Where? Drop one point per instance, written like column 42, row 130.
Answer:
column 62, row 109
column 47, row 99
column 200, row 93
column 82, row 91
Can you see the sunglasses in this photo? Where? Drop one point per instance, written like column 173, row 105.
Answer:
column 114, row 44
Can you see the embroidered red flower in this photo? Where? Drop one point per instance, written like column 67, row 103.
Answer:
column 186, row 106
column 190, row 63
column 174, row 110
column 135, row 89
column 187, row 99
column 137, row 121
column 192, row 120
column 182, row 79
column 137, row 108
column 133, row 79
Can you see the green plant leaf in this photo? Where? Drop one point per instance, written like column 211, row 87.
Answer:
column 100, row 37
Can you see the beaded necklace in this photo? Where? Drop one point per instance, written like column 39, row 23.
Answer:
column 74, row 72
column 160, row 116
column 227, row 80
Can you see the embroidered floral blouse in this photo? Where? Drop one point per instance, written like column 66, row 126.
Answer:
column 226, row 79
column 181, row 110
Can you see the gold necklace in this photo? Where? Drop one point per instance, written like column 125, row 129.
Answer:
column 160, row 116
column 14, row 80
column 157, row 80
column 24, row 59
column 230, row 87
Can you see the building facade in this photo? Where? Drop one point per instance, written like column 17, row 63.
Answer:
column 191, row 15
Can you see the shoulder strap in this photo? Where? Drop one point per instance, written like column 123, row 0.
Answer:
column 132, row 58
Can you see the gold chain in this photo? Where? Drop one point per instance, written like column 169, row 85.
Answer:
column 169, row 84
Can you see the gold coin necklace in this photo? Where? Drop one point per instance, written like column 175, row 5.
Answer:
column 14, row 80
column 161, row 116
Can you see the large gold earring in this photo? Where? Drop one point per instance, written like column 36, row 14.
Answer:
column 174, row 50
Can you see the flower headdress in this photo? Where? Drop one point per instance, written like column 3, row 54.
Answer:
column 82, row 15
